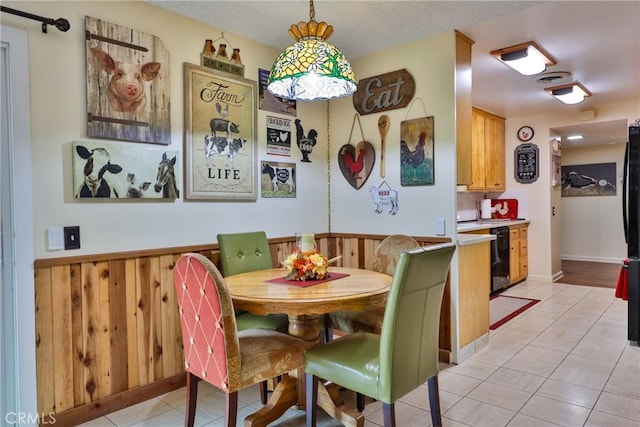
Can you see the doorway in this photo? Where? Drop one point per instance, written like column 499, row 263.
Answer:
column 17, row 330
column 591, row 226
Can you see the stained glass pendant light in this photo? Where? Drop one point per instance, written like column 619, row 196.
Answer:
column 311, row 69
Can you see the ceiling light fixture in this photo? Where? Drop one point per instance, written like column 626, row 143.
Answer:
column 526, row 58
column 571, row 93
column 574, row 137
column 311, row 68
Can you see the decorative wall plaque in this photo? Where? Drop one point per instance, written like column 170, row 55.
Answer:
column 526, row 163
column 384, row 92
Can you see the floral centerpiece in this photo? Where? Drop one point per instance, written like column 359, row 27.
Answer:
column 306, row 265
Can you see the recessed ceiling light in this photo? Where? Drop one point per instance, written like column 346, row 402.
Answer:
column 574, row 137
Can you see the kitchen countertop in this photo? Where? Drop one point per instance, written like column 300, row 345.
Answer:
column 487, row 224
column 471, row 239
column 464, row 238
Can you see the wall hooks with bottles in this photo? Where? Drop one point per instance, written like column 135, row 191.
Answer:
column 219, row 58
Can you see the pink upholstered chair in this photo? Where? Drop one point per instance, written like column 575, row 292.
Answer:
column 213, row 348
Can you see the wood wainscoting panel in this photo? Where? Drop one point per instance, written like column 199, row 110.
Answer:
column 45, row 369
column 108, row 332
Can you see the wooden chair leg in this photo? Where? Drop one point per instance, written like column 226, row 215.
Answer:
column 389, row 414
column 231, row 409
column 327, row 333
column 360, row 402
column 311, row 383
column 434, row 401
column 192, row 399
column 263, row 392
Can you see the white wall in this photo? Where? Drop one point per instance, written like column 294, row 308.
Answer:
column 431, row 63
column 592, row 226
column 58, row 100
column 58, row 113
column 545, row 230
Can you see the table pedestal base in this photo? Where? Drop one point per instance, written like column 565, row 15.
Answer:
column 285, row 395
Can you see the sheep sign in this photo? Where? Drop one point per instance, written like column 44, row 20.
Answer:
column 128, row 86
column 382, row 196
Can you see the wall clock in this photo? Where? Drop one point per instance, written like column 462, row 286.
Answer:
column 525, row 133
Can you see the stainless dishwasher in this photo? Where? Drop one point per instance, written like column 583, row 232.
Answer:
column 500, row 259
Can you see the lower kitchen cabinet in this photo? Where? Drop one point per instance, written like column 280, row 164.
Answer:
column 519, row 253
column 474, row 285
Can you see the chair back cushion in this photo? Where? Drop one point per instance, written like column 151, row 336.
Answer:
column 388, row 252
column 209, row 336
column 409, row 338
column 244, row 252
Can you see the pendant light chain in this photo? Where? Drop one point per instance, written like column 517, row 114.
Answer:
column 312, row 11
column 328, row 166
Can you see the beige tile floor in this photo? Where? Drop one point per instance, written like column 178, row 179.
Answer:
column 566, row 361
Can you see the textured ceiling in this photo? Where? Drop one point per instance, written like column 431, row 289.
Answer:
column 360, row 27
column 598, row 42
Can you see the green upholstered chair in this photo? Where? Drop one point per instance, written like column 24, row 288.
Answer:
column 241, row 253
column 404, row 356
column 214, row 350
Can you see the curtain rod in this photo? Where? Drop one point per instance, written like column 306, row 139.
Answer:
column 60, row 23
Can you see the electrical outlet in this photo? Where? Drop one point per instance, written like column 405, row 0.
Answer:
column 441, row 225
column 72, row 237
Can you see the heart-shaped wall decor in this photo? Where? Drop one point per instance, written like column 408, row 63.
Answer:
column 356, row 162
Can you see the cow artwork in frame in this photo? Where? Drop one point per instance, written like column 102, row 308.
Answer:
column 106, row 170
column 220, row 135
column 128, row 85
column 278, row 179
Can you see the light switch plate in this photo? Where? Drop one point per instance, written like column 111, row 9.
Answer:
column 55, row 239
column 441, row 225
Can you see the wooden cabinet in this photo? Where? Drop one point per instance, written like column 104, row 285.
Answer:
column 488, row 150
column 463, row 108
column 519, row 253
column 474, row 286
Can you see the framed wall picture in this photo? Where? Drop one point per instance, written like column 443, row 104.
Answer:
column 595, row 179
column 128, row 84
column 220, row 135
column 124, row 171
column 416, row 151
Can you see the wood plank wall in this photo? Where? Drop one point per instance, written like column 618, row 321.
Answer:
column 107, row 330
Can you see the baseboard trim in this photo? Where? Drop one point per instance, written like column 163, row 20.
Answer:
column 98, row 408
column 591, row 259
column 559, row 275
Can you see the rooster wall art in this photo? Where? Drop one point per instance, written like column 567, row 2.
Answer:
column 356, row 162
column 305, row 143
column 416, row 152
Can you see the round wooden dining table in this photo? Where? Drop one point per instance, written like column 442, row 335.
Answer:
column 265, row 292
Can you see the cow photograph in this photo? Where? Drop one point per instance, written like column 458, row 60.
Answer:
column 124, row 171
column 220, row 135
column 278, row 180
column 128, row 85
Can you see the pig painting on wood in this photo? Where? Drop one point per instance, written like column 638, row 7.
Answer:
column 128, row 84
column 126, row 91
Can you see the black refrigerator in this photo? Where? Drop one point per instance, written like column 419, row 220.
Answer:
column 631, row 221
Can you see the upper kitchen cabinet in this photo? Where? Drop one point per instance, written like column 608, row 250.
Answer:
column 487, row 152
column 463, row 108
